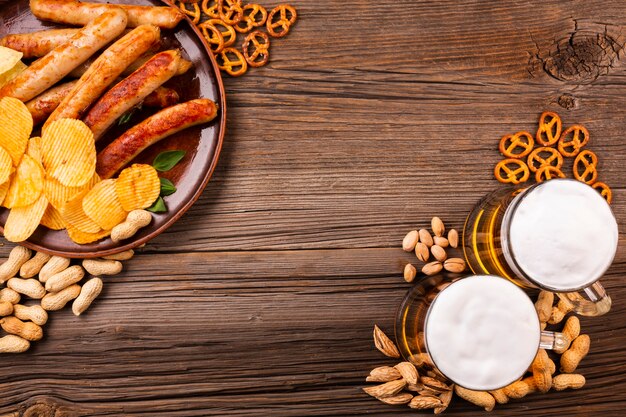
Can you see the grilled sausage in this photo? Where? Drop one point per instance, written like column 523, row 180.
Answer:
column 131, row 91
column 47, row 71
column 72, row 12
column 37, row 44
column 161, row 98
column 159, row 126
column 104, row 71
column 44, row 104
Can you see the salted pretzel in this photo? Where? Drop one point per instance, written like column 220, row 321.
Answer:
column 579, row 138
column 543, row 156
column 586, row 167
column 549, row 130
column 254, row 15
column 213, row 36
column 228, row 32
column 194, row 13
column 517, row 145
column 209, row 7
column 189, row 1
column 605, row 191
column 255, row 46
column 232, row 61
column 548, row 172
column 511, row 171
column 284, row 21
column 230, row 11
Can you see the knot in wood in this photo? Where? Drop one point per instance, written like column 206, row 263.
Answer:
column 567, row 101
column 582, row 58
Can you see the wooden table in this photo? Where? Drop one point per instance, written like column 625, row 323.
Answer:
column 372, row 117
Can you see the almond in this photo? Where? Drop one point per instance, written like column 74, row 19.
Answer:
column 409, row 273
column 399, row 399
column 383, row 374
column 453, row 238
column 432, row 268
column 456, row 265
column 437, row 226
column 445, row 399
column 388, row 389
column 408, row 372
column 415, row 387
column 426, row 238
column 441, row 241
column 434, row 383
column 421, row 251
column 424, row 402
column 384, row 344
column 410, row 240
column 439, row 253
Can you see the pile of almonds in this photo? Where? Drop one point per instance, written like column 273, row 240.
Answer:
column 33, row 286
column 425, row 245
column 422, row 387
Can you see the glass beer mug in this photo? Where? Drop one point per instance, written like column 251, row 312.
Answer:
column 481, row 332
column 559, row 235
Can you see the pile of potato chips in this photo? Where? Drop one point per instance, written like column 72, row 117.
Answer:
column 52, row 180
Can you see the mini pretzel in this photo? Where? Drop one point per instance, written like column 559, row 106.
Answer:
column 194, row 14
column 580, row 137
column 230, row 11
column 209, row 7
column 249, row 19
column 189, row 1
column 261, row 43
column 511, row 171
column 547, row 173
column 228, row 33
column 234, row 66
column 510, row 144
column 283, row 22
column 213, row 37
column 549, row 129
column 537, row 160
column 585, row 167
column 605, row 191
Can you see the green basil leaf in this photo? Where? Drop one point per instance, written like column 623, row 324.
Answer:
column 167, row 187
column 158, row 206
column 167, row 160
column 125, row 118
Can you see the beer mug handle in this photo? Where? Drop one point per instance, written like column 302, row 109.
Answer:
column 553, row 341
column 596, row 303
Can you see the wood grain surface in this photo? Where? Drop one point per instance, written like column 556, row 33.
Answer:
column 371, row 117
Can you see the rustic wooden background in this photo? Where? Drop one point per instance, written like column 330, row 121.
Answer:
column 371, row 117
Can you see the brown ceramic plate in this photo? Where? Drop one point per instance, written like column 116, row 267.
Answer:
column 202, row 144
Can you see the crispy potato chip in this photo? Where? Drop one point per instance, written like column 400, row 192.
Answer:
column 12, row 73
column 10, row 64
column 52, row 219
column 137, row 187
column 72, row 213
column 23, row 221
column 59, row 194
column 68, row 152
column 83, row 238
column 33, row 149
column 102, row 205
column 4, row 188
column 26, row 184
column 6, row 165
column 16, row 125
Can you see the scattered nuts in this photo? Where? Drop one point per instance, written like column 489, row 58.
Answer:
column 135, row 220
column 437, row 226
column 445, row 399
column 520, row 389
column 441, row 241
column 399, row 399
column 56, row 300
column 410, row 240
column 499, row 396
column 408, row 372
column 12, row 296
column 17, row 257
column 543, row 305
column 578, row 350
column 6, row 308
column 32, row 267
column 453, row 238
column 571, row 330
column 541, row 370
column 65, row 278
column 432, row 268
column 55, row 265
column 91, row 289
column 480, row 398
column 384, row 344
column 456, row 265
column 13, row 344
column 28, row 287
column 34, row 313
column 422, row 252
column 388, row 389
column 26, row 330
column 425, row 402
column 383, row 374
column 409, row 273
column 100, row 267
column 565, row 381
column 434, row 384
column 122, row 256
column 425, row 237
column 438, row 252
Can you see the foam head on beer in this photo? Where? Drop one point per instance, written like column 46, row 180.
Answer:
column 562, row 235
column 482, row 332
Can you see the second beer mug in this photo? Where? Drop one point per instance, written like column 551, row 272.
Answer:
column 559, row 235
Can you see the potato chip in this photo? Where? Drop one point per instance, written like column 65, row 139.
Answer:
column 23, row 221
column 52, row 219
column 10, row 64
column 12, row 73
column 6, row 165
column 33, row 149
column 26, row 184
column 59, row 194
column 83, row 238
column 16, row 125
column 137, row 187
column 102, row 205
column 72, row 213
column 4, row 188
column 68, row 152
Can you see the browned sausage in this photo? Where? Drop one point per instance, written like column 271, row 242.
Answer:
column 72, row 12
column 104, row 71
column 162, row 97
column 37, row 44
column 82, row 69
column 131, row 91
column 163, row 124
column 44, row 104
column 47, row 71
